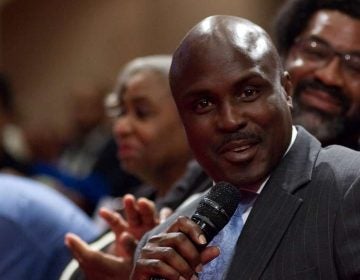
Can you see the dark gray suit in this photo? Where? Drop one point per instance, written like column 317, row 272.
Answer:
column 305, row 224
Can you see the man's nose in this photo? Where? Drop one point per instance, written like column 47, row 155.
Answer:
column 230, row 117
column 331, row 73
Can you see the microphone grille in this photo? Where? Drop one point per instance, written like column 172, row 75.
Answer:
column 219, row 204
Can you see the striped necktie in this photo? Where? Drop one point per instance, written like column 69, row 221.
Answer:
column 226, row 240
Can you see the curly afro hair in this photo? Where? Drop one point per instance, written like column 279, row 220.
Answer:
column 292, row 18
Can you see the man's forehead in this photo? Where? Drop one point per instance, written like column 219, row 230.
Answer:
column 222, row 38
column 327, row 24
column 220, row 44
column 236, row 32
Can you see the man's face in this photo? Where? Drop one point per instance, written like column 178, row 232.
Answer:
column 235, row 112
column 326, row 85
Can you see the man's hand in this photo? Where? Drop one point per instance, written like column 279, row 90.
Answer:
column 175, row 253
column 96, row 264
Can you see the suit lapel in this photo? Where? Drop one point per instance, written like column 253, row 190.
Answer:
column 274, row 210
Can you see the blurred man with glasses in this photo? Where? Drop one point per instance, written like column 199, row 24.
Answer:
column 319, row 41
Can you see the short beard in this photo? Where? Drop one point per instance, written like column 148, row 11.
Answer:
column 327, row 129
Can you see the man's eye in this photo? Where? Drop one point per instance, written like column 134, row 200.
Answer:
column 315, row 50
column 202, row 105
column 249, row 93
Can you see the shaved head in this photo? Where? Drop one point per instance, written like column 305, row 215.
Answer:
column 233, row 99
column 231, row 36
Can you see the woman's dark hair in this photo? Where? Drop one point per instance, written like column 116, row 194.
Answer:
column 293, row 17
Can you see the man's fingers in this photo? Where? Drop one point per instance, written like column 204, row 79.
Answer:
column 169, row 263
column 189, row 228
column 147, row 268
column 174, row 246
column 209, row 253
column 167, row 256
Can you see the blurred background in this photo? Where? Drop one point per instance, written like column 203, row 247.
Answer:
column 49, row 47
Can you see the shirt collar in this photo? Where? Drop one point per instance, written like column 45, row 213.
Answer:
column 293, row 137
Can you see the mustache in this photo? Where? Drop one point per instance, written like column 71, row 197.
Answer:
column 240, row 135
column 334, row 91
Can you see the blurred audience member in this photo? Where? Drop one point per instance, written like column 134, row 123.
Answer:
column 151, row 140
column 91, row 155
column 151, row 145
column 41, row 146
column 13, row 152
column 12, row 137
column 89, row 133
column 319, row 41
column 44, row 141
column 33, row 222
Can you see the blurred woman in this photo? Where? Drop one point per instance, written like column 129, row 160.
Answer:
column 151, row 140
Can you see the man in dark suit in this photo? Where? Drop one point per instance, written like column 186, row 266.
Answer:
column 303, row 219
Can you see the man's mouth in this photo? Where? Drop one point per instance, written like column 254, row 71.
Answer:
column 239, row 151
column 321, row 101
column 328, row 100
column 242, row 148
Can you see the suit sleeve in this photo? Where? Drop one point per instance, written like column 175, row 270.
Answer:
column 347, row 234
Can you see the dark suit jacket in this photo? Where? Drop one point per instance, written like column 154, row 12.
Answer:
column 305, row 224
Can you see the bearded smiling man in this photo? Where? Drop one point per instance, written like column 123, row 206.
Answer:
column 319, row 41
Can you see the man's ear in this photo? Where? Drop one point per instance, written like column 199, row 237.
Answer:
column 287, row 88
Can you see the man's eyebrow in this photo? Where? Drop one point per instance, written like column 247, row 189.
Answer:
column 195, row 93
column 316, row 38
column 325, row 42
column 251, row 74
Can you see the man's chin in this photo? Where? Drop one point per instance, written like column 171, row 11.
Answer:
column 325, row 129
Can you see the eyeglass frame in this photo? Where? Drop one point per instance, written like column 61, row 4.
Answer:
column 299, row 47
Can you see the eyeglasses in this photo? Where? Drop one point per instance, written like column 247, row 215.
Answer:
column 320, row 53
column 112, row 106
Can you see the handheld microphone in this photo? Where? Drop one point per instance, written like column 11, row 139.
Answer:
column 215, row 210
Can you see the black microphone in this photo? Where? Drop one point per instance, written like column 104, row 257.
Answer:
column 215, row 210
